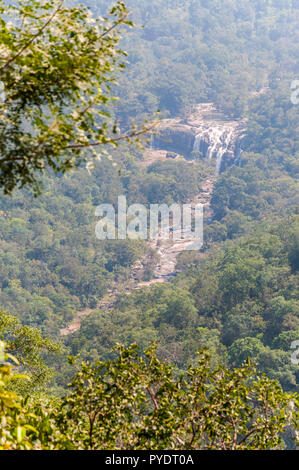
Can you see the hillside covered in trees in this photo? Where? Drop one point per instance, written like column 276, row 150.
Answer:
column 235, row 299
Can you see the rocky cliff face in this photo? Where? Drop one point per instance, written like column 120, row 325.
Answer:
column 205, row 133
column 178, row 138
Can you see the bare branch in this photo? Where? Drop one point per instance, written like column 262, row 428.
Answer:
column 121, row 20
column 153, row 397
column 78, row 146
column 117, row 139
column 246, row 436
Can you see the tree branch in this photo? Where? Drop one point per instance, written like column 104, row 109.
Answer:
column 246, row 436
column 120, row 21
column 153, row 397
column 78, row 146
column 117, row 139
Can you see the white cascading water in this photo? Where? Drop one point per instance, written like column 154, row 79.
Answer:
column 223, row 149
column 217, row 139
column 152, row 142
column 240, row 156
column 199, row 139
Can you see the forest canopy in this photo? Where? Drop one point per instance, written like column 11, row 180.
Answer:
column 215, row 366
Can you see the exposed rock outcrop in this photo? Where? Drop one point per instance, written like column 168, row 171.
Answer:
column 177, row 138
column 205, row 133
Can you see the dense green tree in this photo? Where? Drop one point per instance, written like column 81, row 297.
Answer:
column 30, row 349
column 135, row 402
column 57, row 66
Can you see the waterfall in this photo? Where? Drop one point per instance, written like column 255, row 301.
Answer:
column 152, row 142
column 216, row 141
column 197, row 141
column 223, row 150
column 239, row 156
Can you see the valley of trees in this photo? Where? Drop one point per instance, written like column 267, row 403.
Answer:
column 220, row 375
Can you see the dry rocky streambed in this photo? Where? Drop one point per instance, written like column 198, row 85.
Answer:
column 212, row 135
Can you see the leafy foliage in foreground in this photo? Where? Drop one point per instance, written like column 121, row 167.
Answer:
column 31, row 350
column 136, row 402
column 57, row 66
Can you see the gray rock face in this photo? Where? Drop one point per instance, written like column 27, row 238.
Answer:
column 178, row 139
column 172, row 155
column 205, row 133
